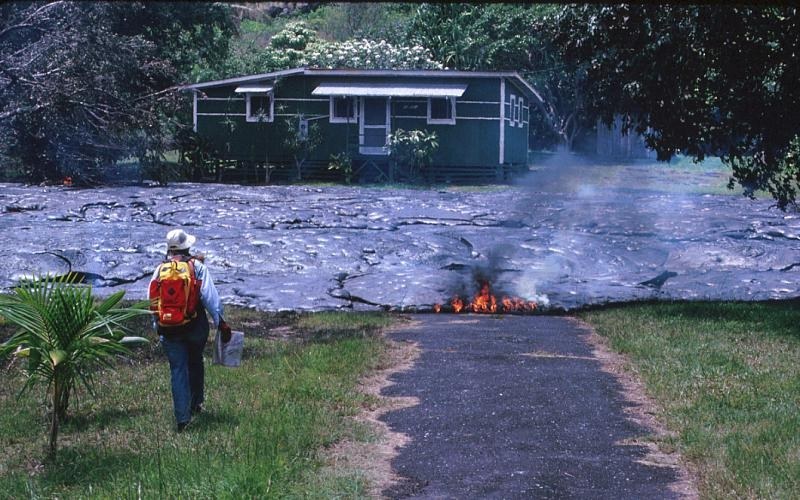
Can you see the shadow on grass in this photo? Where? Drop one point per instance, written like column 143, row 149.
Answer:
column 213, row 420
column 75, row 465
column 100, row 419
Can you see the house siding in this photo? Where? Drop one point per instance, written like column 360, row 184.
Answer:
column 474, row 139
column 516, row 133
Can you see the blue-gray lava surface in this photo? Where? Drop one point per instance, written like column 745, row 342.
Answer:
column 563, row 241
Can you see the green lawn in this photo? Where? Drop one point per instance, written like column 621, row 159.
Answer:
column 262, row 434
column 728, row 380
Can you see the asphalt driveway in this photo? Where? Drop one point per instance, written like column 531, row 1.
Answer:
column 515, row 407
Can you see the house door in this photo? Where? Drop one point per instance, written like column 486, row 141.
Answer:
column 375, row 126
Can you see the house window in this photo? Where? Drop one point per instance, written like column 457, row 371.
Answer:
column 343, row 110
column 259, row 107
column 442, row 110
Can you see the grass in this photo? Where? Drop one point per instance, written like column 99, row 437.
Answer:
column 725, row 375
column 728, row 380
column 263, row 433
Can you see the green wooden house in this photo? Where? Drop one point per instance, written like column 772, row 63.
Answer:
column 480, row 118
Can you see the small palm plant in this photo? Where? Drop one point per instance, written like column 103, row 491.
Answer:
column 65, row 336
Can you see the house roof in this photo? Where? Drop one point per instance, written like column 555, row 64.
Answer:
column 243, row 79
column 394, row 89
column 362, row 73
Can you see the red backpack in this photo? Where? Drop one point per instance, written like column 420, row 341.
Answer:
column 175, row 293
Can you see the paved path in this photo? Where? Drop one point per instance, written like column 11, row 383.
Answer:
column 514, row 407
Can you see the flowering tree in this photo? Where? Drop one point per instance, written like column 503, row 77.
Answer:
column 368, row 54
column 298, row 45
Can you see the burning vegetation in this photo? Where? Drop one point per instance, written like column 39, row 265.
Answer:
column 484, row 302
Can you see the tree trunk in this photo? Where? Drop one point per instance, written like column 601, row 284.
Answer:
column 61, row 393
column 54, row 419
column 53, row 436
column 299, row 164
column 571, row 140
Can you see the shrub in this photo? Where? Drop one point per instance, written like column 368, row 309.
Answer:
column 413, row 149
column 64, row 336
column 342, row 163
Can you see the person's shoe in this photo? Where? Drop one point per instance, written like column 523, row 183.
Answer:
column 182, row 426
column 197, row 409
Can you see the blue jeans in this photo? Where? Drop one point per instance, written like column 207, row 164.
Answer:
column 187, row 373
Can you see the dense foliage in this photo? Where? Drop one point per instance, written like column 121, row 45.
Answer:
column 412, row 150
column 509, row 37
column 83, row 84
column 297, row 44
column 700, row 80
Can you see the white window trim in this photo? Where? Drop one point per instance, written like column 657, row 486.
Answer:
column 269, row 118
column 519, row 112
column 512, row 115
column 502, row 143
column 336, row 119
column 441, row 121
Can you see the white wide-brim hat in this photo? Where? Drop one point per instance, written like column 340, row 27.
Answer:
column 178, row 239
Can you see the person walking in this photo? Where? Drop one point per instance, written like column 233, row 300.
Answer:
column 181, row 292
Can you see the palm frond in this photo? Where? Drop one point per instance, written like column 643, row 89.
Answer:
column 109, row 303
column 63, row 335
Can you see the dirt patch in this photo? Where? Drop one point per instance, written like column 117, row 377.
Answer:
column 372, row 460
column 643, row 411
column 545, row 354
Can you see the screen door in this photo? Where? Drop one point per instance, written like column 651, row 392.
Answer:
column 375, row 126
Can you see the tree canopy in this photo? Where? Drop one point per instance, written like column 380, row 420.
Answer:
column 81, row 81
column 297, row 44
column 509, row 37
column 699, row 80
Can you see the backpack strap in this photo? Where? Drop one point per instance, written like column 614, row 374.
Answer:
column 197, row 284
column 190, row 263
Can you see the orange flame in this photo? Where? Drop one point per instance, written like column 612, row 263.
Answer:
column 518, row 304
column 486, row 303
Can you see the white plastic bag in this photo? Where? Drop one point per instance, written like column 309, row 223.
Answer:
column 228, row 353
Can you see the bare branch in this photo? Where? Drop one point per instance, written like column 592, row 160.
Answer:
column 28, row 23
column 5, row 115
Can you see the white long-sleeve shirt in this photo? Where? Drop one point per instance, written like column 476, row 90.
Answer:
column 208, row 292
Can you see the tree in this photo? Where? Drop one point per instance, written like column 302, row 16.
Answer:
column 368, row 54
column 302, row 139
column 507, row 37
column 700, row 80
column 83, row 84
column 64, row 336
column 450, row 32
column 354, row 20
